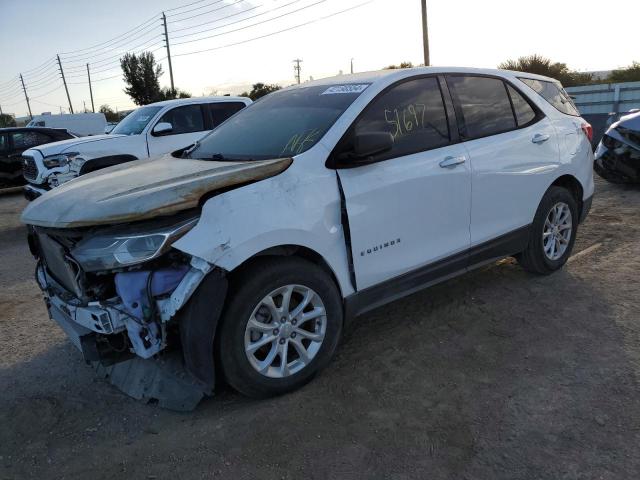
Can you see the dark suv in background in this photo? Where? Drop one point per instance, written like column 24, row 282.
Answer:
column 14, row 141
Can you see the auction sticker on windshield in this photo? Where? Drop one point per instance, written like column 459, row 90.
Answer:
column 336, row 89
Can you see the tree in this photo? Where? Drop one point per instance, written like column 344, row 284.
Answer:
column 141, row 74
column 402, row 65
column 543, row 66
column 109, row 114
column 167, row 93
column 7, row 121
column 260, row 90
column 627, row 74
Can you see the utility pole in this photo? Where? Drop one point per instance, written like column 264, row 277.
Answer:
column 65, row 83
column 24, row 89
column 166, row 40
column 296, row 68
column 352, row 65
column 425, row 34
column 93, row 108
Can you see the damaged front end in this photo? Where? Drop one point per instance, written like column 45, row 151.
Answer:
column 617, row 158
column 124, row 298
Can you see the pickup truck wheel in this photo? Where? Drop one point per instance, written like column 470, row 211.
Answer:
column 552, row 234
column 281, row 326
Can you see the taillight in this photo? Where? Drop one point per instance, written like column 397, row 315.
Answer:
column 588, row 130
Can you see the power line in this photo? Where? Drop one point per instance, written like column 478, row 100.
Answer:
column 31, row 70
column 319, row 19
column 45, row 74
column 219, row 20
column 9, row 83
column 93, row 80
column 253, row 24
column 183, row 6
column 93, row 47
column 109, row 54
column 40, row 76
column 193, row 9
column 115, row 59
column 210, row 11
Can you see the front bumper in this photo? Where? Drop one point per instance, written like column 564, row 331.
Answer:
column 617, row 162
column 169, row 359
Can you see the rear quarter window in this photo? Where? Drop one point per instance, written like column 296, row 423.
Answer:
column 554, row 94
column 221, row 111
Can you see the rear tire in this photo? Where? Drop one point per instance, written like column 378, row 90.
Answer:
column 265, row 321
column 552, row 233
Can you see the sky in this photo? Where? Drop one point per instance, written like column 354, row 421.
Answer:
column 588, row 35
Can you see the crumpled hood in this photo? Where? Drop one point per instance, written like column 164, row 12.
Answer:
column 62, row 146
column 141, row 190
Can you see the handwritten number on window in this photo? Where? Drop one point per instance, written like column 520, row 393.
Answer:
column 405, row 120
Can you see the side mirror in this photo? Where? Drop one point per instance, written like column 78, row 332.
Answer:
column 162, row 128
column 365, row 145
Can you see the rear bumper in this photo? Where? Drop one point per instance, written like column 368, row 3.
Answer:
column 32, row 192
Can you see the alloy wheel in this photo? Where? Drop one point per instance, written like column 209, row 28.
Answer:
column 556, row 233
column 285, row 331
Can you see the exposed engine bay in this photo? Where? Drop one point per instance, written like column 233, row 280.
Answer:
column 118, row 315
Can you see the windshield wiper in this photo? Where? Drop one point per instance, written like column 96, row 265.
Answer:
column 218, row 157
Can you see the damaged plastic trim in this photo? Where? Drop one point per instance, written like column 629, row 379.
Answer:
column 96, row 316
column 169, row 307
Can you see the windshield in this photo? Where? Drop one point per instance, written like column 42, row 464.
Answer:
column 284, row 123
column 134, row 123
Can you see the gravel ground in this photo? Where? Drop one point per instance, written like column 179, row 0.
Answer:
column 497, row 374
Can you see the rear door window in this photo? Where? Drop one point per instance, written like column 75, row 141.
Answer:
column 25, row 140
column 413, row 112
column 185, row 119
column 522, row 108
column 221, row 111
column 4, row 143
column 484, row 105
column 554, row 94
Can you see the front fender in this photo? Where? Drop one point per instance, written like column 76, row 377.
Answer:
column 298, row 207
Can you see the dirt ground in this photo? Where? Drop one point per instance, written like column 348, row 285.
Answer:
column 497, row 374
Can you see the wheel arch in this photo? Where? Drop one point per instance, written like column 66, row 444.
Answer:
column 573, row 185
column 291, row 250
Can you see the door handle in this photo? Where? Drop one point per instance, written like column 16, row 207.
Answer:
column 540, row 138
column 452, row 161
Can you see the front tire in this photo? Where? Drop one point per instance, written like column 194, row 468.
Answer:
column 552, row 233
column 280, row 327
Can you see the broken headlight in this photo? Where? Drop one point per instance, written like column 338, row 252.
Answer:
column 119, row 248
column 59, row 160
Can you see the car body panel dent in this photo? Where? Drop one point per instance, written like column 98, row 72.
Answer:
column 141, row 190
column 238, row 224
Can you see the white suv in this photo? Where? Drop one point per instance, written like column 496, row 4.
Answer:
column 315, row 204
column 149, row 131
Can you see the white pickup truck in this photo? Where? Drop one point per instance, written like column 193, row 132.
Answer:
column 149, row 131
